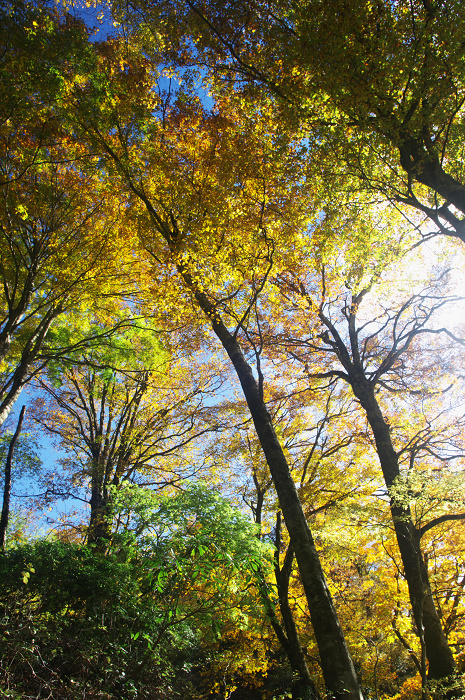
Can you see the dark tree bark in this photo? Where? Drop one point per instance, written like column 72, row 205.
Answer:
column 440, row 659
column 338, row 670
column 303, row 688
column 425, row 167
column 7, row 487
column 22, row 373
column 101, row 516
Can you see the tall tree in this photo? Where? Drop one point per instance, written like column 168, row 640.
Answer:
column 211, row 220
column 369, row 355
column 120, row 413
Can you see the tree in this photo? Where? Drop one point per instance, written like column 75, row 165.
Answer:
column 207, row 567
column 120, row 413
column 380, row 87
column 202, row 545
column 19, row 451
column 61, row 249
column 369, row 356
column 7, row 482
column 190, row 222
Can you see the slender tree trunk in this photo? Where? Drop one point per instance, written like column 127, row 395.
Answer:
column 28, row 355
column 440, row 659
column 304, row 688
column 7, row 488
column 8, row 402
column 99, row 532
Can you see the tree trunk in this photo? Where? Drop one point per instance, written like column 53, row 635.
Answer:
column 20, row 376
column 440, row 659
column 99, row 532
column 338, row 670
column 7, row 487
column 304, row 688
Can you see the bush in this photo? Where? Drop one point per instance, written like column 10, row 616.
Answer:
column 75, row 624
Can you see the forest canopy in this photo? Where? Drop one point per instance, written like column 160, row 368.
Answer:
column 232, row 274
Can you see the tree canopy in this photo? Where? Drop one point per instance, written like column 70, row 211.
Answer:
column 232, row 271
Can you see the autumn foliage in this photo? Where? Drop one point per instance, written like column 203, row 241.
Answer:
column 231, row 261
